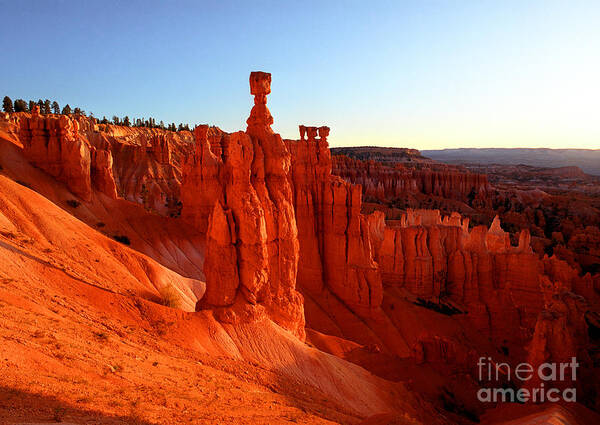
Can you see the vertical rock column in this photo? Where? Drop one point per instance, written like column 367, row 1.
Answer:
column 236, row 189
column 337, row 249
column 270, row 169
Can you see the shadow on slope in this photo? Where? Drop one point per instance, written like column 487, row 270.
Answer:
column 17, row 406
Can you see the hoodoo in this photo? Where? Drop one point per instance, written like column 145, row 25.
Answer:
column 236, row 187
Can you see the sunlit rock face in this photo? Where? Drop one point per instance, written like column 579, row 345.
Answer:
column 335, row 244
column 236, row 188
column 142, row 165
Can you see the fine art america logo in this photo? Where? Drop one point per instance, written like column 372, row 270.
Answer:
column 551, row 382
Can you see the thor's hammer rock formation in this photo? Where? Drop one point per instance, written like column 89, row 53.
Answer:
column 236, row 189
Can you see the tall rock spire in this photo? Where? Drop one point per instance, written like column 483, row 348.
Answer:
column 236, row 189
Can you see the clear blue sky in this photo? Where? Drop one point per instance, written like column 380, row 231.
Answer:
column 422, row 74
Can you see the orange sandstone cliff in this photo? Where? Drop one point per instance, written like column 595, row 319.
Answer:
column 139, row 164
column 335, row 246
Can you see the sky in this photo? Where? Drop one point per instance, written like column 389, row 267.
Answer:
column 420, row 74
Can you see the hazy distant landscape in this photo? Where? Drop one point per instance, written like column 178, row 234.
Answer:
column 586, row 159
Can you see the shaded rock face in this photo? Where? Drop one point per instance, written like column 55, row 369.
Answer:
column 560, row 333
column 236, row 188
column 439, row 259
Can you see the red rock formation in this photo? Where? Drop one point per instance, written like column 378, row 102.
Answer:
column 221, row 262
column 140, row 164
column 102, row 172
column 560, row 335
column 236, row 187
column 276, row 219
column 504, row 288
column 53, row 144
column 147, row 164
column 335, row 245
column 386, row 182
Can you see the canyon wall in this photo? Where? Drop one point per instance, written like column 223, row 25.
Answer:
column 515, row 299
column 502, row 287
column 139, row 164
column 384, row 182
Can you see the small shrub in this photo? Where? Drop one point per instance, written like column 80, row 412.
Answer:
column 123, row 239
column 169, row 297
column 101, row 336
column 58, row 413
column 73, row 203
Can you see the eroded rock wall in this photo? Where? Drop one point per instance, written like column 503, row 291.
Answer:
column 385, row 182
column 335, row 244
column 142, row 165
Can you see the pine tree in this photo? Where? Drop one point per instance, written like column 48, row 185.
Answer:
column 46, row 108
column 116, row 120
column 126, row 121
column 55, row 108
column 20, row 105
column 67, row 110
column 79, row 111
column 31, row 105
column 7, row 104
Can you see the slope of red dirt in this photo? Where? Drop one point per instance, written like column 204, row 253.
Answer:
column 92, row 348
